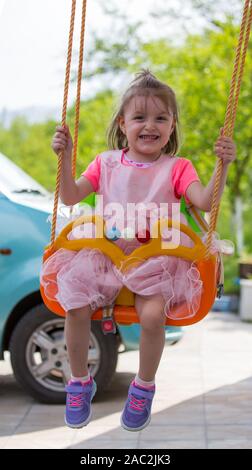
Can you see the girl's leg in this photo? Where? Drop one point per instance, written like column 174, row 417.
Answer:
column 152, row 319
column 77, row 335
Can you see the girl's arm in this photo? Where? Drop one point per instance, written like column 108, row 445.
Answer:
column 71, row 191
column 201, row 196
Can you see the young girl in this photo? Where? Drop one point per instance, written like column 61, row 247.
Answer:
column 141, row 168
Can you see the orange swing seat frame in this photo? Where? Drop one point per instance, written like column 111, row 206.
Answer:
column 124, row 308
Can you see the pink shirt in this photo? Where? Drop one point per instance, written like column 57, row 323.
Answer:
column 183, row 173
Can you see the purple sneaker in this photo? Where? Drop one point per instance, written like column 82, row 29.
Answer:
column 78, row 403
column 137, row 411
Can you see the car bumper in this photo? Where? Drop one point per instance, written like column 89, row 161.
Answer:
column 130, row 335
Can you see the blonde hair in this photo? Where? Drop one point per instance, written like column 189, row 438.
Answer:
column 145, row 84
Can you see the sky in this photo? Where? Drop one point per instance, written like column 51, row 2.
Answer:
column 33, row 43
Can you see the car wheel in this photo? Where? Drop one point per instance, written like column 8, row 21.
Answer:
column 39, row 357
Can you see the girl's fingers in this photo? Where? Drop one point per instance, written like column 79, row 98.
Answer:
column 60, row 137
column 225, row 153
column 224, row 149
column 226, row 146
column 226, row 156
column 56, row 144
column 58, row 148
column 63, row 130
column 60, row 141
column 60, row 134
column 224, row 141
column 229, row 154
column 60, row 129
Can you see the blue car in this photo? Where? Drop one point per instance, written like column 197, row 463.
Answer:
column 32, row 334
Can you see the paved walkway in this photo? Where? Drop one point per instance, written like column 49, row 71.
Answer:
column 203, row 399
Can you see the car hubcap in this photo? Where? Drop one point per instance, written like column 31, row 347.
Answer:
column 46, row 355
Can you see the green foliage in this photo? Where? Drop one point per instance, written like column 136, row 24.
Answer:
column 29, row 147
column 199, row 71
column 95, row 115
column 231, row 271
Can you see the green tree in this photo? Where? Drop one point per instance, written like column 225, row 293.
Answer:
column 200, row 70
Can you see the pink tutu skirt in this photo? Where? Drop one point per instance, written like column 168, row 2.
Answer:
column 89, row 277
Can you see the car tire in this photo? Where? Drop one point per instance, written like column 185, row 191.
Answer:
column 40, row 334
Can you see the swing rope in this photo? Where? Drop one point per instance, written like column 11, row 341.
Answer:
column 231, row 110
column 64, row 108
column 229, row 120
column 79, row 78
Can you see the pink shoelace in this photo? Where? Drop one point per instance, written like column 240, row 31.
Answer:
column 137, row 404
column 75, row 400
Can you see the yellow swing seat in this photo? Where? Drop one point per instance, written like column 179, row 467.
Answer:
column 124, row 308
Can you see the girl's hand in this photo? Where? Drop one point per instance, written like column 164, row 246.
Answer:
column 225, row 148
column 62, row 141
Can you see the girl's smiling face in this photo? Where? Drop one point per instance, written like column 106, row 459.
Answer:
column 147, row 124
